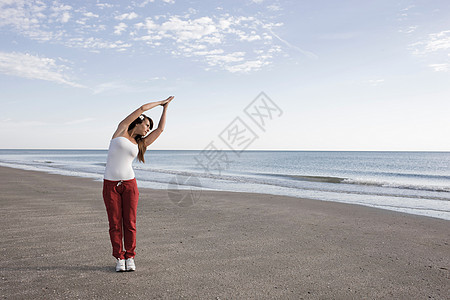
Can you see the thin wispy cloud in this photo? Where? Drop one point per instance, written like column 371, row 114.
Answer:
column 430, row 45
column 8, row 124
column 120, row 28
column 35, row 67
column 405, row 12
column 435, row 48
column 375, row 82
column 440, row 67
column 111, row 86
column 274, row 7
column 104, row 5
column 130, row 86
column 269, row 28
column 127, row 16
column 409, row 29
column 439, row 41
column 79, row 121
column 90, row 15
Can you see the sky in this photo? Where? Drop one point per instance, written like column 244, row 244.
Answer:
column 248, row 74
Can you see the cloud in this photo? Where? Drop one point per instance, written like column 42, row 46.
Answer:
column 90, row 15
column 216, row 57
column 375, row 82
column 144, row 3
column 404, row 13
column 127, row 16
column 440, row 67
column 409, row 29
column 61, row 12
column 120, row 28
column 65, row 17
column 436, row 48
column 34, row 67
column 199, row 38
column 438, row 41
column 247, row 66
column 190, row 34
column 184, row 30
column 31, row 18
column 79, row 121
column 304, row 52
column 340, row 35
column 96, row 44
column 7, row 124
column 274, row 7
column 435, row 42
column 104, row 5
column 110, row 86
column 157, row 78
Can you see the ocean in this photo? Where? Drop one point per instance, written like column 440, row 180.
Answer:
column 410, row 182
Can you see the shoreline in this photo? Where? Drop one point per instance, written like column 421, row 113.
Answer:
column 427, row 212
column 227, row 245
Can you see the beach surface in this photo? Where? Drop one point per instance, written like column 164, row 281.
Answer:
column 55, row 245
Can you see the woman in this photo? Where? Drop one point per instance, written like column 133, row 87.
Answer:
column 120, row 191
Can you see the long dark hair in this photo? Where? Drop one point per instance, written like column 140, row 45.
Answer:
column 139, row 138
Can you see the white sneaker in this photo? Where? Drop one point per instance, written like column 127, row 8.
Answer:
column 120, row 266
column 130, row 264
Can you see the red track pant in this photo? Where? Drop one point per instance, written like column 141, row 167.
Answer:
column 121, row 200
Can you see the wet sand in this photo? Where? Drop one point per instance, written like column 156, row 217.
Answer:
column 55, row 245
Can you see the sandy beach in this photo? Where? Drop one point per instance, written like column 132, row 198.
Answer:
column 55, row 245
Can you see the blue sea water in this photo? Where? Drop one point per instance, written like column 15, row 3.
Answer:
column 411, row 182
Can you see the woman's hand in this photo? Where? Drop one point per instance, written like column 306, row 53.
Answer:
column 164, row 102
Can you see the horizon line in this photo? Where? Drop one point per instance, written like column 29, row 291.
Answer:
column 229, row 150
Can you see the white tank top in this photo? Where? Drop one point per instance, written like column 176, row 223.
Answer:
column 121, row 154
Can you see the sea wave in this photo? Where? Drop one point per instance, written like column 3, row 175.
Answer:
column 381, row 183
column 327, row 179
column 364, row 182
column 38, row 161
column 311, row 183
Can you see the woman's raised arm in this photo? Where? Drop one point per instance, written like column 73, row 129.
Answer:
column 162, row 123
column 123, row 125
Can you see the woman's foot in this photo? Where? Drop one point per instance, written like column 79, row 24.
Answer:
column 120, row 266
column 130, row 264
